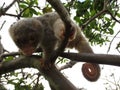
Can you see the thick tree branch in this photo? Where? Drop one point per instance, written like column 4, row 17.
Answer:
column 61, row 10
column 54, row 77
column 57, row 5
column 57, row 80
column 34, row 61
column 18, row 63
column 94, row 58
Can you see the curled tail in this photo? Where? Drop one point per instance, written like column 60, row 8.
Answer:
column 91, row 71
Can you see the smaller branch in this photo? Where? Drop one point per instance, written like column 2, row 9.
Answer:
column 117, row 47
column 4, row 10
column 106, row 2
column 70, row 3
column 68, row 65
column 112, row 41
column 11, row 15
column 19, row 15
column 118, row 50
column 113, row 17
column 2, row 25
column 92, row 18
column 3, row 5
column 1, row 47
column 37, row 81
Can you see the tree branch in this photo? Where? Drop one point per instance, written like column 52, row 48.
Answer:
column 92, row 18
column 113, row 17
column 105, row 10
column 4, row 10
column 2, row 25
column 54, row 77
column 68, row 65
column 61, row 10
column 34, row 61
column 18, row 63
column 93, row 58
column 112, row 41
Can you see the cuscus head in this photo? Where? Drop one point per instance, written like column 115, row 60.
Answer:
column 26, row 34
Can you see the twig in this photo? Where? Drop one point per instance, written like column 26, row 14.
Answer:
column 4, row 10
column 3, row 5
column 113, row 17
column 112, row 41
column 118, row 45
column 2, row 25
column 68, row 65
column 105, row 10
column 92, row 18
column 19, row 15
column 11, row 15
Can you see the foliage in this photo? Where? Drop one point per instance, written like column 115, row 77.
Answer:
column 2, row 87
column 22, row 80
column 98, row 29
column 28, row 8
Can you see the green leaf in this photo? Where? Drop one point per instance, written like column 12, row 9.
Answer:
column 77, row 19
column 118, row 14
column 23, row 6
column 27, row 13
column 111, row 31
column 107, row 19
column 9, row 58
column 33, row 11
column 31, row 3
column 28, row 1
column 113, row 24
column 92, row 12
column 36, row 2
column 47, row 9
